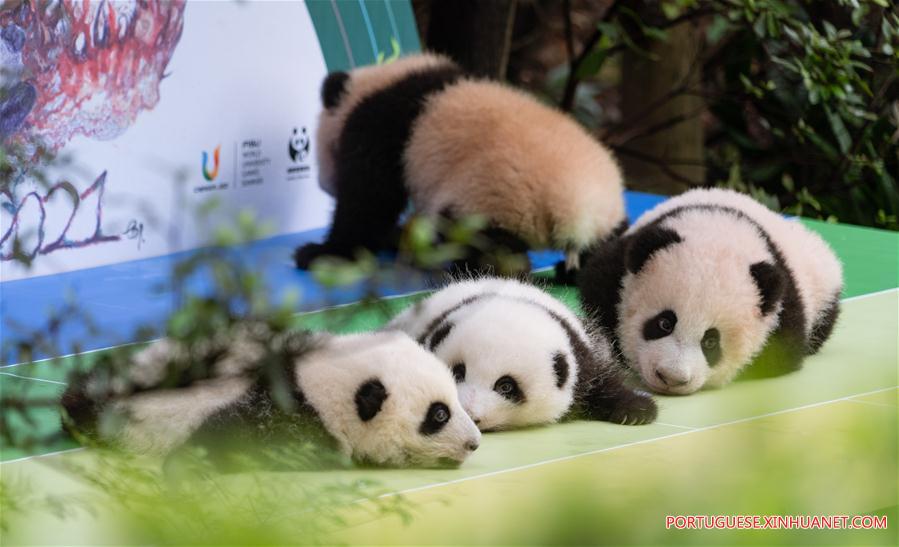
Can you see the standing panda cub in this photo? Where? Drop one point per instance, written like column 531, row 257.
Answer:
column 419, row 130
column 708, row 283
column 521, row 357
column 376, row 398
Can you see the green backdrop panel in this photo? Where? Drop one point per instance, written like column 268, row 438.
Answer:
column 356, row 32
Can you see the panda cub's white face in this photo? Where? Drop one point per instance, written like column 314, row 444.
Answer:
column 388, row 401
column 512, row 362
column 690, row 317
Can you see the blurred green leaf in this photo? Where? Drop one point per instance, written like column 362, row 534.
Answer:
column 839, row 130
column 594, row 60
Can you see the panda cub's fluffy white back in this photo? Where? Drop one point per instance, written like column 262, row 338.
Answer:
column 521, row 357
column 708, row 282
column 377, row 397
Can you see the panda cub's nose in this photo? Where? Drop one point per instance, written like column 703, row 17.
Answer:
column 471, row 446
column 672, row 380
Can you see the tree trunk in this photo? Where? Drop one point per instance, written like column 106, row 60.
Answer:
column 666, row 142
column 474, row 33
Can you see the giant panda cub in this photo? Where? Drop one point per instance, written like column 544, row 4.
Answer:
column 709, row 282
column 418, row 129
column 377, row 398
column 521, row 357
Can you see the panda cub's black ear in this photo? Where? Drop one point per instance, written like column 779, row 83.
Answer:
column 647, row 242
column 369, row 398
column 560, row 369
column 333, row 88
column 771, row 284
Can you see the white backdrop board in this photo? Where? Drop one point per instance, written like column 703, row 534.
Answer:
column 160, row 108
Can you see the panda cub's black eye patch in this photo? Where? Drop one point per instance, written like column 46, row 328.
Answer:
column 660, row 326
column 711, row 346
column 437, row 417
column 459, row 372
column 507, row 387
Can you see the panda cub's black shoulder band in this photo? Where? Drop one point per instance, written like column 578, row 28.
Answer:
column 440, row 319
column 599, row 284
column 440, row 335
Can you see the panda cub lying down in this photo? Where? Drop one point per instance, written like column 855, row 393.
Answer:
column 377, row 398
column 521, row 357
column 708, row 283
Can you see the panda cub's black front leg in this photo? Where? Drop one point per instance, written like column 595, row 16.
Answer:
column 371, row 194
column 305, row 255
column 610, row 400
column 369, row 204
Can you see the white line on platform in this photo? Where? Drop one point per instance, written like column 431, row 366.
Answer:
column 635, row 443
column 31, row 378
column 872, row 403
column 675, row 425
column 869, row 295
column 88, row 352
column 38, row 456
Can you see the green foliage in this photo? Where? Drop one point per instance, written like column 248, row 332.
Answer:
column 802, row 97
column 804, row 94
column 185, row 498
column 126, row 500
column 428, row 246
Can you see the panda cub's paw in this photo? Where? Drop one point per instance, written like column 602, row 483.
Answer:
column 305, row 255
column 634, row 407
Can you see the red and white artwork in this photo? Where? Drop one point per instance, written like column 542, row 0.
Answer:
column 149, row 108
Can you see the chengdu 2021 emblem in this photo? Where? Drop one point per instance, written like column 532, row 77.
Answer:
column 210, row 169
column 210, row 174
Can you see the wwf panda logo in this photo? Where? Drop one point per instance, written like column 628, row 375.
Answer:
column 298, row 145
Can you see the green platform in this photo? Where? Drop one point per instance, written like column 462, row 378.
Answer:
column 819, row 441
